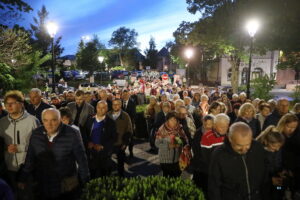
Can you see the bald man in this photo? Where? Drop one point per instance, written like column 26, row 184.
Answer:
column 56, row 156
column 238, row 168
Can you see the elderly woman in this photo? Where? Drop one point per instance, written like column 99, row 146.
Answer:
column 170, row 139
column 247, row 114
column 204, row 104
column 187, row 102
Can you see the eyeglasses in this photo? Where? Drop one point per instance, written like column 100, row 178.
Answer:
column 11, row 103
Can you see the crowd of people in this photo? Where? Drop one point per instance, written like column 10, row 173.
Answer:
column 51, row 145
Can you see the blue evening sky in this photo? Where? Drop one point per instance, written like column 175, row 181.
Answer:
column 78, row 18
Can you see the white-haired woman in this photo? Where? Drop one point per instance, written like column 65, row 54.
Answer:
column 247, row 114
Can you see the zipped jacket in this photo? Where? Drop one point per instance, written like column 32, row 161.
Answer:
column 17, row 131
column 233, row 176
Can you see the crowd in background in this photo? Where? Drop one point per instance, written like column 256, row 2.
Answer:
column 52, row 144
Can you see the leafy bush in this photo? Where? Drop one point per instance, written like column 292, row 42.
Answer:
column 117, row 68
column 141, row 108
column 150, row 188
column 262, row 87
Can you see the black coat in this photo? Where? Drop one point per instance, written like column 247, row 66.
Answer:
column 130, row 109
column 50, row 164
column 254, row 125
column 230, row 172
column 160, row 119
column 37, row 112
column 107, row 138
column 272, row 119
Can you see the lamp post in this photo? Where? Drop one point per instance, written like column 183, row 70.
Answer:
column 252, row 26
column 188, row 54
column 52, row 29
column 101, row 59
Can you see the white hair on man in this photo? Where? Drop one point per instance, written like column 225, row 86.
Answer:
column 36, row 90
column 53, row 110
column 239, row 128
column 221, row 118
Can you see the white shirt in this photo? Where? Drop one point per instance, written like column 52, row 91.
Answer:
column 116, row 115
column 51, row 137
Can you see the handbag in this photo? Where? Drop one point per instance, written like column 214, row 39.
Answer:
column 70, row 183
column 185, row 157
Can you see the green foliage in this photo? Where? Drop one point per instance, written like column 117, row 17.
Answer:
column 151, row 54
column 262, row 87
column 123, row 39
column 117, row 68
column 141, row 108
column 150, row 188
column 15, row 46
column 87, row 55
column 24, row 75
column 296, row 94
column 179, row 61
column 6, row 79
column 40, row 36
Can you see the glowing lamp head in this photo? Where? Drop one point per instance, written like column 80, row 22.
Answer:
column 52, row 29
column 252, row 27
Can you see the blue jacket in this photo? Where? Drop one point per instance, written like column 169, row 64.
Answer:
column 50, row 164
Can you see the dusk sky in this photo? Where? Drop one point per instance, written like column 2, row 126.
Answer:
column 77, row 18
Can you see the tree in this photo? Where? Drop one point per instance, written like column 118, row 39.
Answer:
column 151, row 54
column 222, row 24
column 267, row 82
column 6, row 79
column 41, row 39
column 123, row 39
column 11, row 9
column 14, row 46
column 87, row 55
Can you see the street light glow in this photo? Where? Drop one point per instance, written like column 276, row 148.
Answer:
column 101, row 59
column 52, row 29
column 189, row 53
column 252, row 26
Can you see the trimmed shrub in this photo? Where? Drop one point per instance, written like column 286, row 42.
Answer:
column 150, row 188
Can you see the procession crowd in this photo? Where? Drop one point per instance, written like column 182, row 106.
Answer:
column 51, row 145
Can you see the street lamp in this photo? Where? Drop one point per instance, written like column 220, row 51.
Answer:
column 101, row 59
column 189, row 53
column 52, row 29
column 252, row 27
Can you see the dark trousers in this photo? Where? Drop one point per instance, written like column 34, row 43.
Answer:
column 120, row 160
column 99, row 164
column 20, row 194
column 170, row 169
column 201, row 181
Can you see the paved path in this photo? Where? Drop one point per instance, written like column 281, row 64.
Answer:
column 143, row 163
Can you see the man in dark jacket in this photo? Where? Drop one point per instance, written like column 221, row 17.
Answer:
column 281, row 109
column 36, row 105
column 101, row 132
column 53, row 152
column 124, row 132
column 238, row 168
column 128, row 105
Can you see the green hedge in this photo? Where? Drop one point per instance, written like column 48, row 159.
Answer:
column 150, row 188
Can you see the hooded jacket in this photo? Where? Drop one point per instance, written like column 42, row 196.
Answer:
column 233, row 176
column 17, row 131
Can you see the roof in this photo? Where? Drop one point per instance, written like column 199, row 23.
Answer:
column 163, row 52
